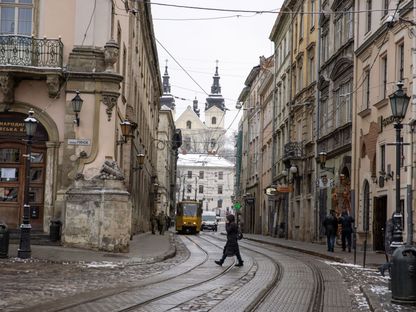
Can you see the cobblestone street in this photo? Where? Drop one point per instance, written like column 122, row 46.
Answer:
column 24, row 283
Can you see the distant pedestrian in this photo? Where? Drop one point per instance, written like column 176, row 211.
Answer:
column 231, row 247
column 388, row 237
column 168, row 221
column 153, row 222
column 346, row 222
column 162, row 222
column 331, row 226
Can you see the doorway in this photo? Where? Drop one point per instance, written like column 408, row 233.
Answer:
column 379, row 222
column 13, row 155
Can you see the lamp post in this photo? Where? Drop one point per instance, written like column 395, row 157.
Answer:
column 399, row 101
column 76, row 107
column 24, row 251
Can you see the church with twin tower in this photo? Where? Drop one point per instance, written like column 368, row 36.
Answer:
column 199, row 137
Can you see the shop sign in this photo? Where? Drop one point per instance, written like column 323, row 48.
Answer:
column 284, row 189
column 270, row 191
column 83, row 142
column 12, row 126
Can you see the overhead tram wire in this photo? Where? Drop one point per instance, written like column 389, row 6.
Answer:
column 274, row 11
column 186, row 72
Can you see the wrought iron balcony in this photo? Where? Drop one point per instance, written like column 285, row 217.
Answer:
column 18, row 50
column 293, row 150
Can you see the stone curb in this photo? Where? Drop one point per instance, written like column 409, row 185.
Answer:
column 372, row 299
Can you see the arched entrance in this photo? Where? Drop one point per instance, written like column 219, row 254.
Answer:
column 12, row 171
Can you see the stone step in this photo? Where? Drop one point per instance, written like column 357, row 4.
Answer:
column 36, row 238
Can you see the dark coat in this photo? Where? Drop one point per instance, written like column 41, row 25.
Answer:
column 331, row 225
column 346, row 222
column 231, row 247
column 388, row 236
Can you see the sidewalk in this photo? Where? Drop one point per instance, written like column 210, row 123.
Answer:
column 144, row 248
column 372, row 259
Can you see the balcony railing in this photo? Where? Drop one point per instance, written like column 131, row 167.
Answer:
column 18, row 50
column 293, row 150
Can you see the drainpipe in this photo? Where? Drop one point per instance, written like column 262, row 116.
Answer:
column 317, row 114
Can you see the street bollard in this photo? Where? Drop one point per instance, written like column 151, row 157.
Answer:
column 403, row 275
column 55, row 230
column 4, row 241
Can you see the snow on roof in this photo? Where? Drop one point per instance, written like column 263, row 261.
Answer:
column 203, row 160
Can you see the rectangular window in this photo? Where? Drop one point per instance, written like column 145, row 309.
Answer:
column 383, row 77
column 312, row 16
column 338, row 33
column 311, row 72
column 201, row 189
column 385, row 7
column 219, row 203
column 219, row 189
column 366, row 90
column 349, row 24
column 189, row 188
column 400, row 62
column 325, row 46
column 301, row 26
column 16, row 17
column 368, row 16
column 201, row 174
column 383, row 158
column 220, row 175
column 189, row 174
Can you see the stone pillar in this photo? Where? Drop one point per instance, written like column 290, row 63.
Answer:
column 98, row 213
column 49, row 212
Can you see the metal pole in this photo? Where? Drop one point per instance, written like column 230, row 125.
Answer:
column 397, row 239
column 24, row 251
column 183, row 190
column 196, row 186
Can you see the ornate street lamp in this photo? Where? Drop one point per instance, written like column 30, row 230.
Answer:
column 399, row 101
column 24, row 251
column 76, row 107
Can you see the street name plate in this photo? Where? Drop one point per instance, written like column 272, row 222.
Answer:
column 79, row 142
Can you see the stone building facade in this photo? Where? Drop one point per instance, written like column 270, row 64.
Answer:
column 81, row 165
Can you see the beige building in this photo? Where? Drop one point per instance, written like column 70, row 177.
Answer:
column 383, row 57
column 81, row 169
column 281, row 37
column 300, row 151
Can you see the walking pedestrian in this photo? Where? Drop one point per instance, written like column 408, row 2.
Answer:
column 162, row 222
column 346, row 222
column 388, row 236
column 153, row 222
column 231, row 247
column 331, row 226
column 168, row 222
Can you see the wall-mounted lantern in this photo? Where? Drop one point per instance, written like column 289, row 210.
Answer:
column 76, row 107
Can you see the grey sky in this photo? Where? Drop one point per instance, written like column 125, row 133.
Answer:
column 236, row 42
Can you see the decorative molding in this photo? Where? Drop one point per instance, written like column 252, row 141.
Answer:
column 109, row 100
column 53, row 83
column 7, row 83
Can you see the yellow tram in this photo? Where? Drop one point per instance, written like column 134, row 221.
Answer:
column 188, row 216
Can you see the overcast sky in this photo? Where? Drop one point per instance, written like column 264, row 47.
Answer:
column 236, row 42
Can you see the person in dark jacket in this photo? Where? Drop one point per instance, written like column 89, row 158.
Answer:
column 346, row 222
column 231, row 248
column 331, row 226
column 388, row 237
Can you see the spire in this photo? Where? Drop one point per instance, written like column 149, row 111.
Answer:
column 167, row 98
column 215, row 98
column 166, row 84
column 215, row 88
column 195, row 107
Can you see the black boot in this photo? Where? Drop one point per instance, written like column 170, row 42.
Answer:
column 219, row 262
column 240, row 264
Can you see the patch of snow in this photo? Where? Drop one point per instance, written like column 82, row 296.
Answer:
column 379, row 290
column 103, row 264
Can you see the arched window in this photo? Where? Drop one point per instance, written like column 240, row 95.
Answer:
column 188, row 124
column 214, row 120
